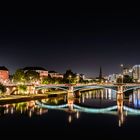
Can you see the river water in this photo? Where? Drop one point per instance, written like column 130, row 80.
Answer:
column 95, row 113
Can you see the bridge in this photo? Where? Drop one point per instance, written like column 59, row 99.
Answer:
column 71, row 88
column 79, row 108
column 120, row 110
column 119, row 88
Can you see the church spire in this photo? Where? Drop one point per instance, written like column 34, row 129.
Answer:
column 100, row 74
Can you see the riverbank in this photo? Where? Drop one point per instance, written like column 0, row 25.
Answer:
column 20, row 98
column 5, row 99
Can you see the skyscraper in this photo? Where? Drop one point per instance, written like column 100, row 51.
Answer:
column 136, row 73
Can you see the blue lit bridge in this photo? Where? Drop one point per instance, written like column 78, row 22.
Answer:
column 79, row 108
column 119, row 88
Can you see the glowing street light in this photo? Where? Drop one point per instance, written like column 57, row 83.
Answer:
column 121, row 65
column 130, row 70
column 70, row 79
column 122, row 72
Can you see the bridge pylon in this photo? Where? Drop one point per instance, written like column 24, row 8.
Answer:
column 120, row 88
column 70, row 97
column 120, row 108
column 70, row 88
column 70, row 102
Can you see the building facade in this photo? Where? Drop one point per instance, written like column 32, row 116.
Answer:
column 54, row 74
column 42, row 71
column 136, row 73
column 113, row 78
column 127, row 71
column 4, row 74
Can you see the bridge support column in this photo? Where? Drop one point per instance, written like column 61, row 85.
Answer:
column 120, row 89
column 70, row 103
column 70, row 89
column 120, row 108
column 8, row 91
column 77, row 94
column 70, row 95
column 70, row 99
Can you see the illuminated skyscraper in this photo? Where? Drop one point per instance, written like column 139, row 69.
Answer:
column 136, row 73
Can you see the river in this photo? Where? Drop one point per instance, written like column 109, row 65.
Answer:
column 95, row 113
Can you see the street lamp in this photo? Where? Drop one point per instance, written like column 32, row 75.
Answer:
column 122, row 72
column 121, row 65
column 69, row 79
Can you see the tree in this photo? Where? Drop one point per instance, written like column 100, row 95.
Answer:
column 119, row 80
column 68, row 73
column 2, row 88
column 19, row 76
column 22, row 88
column 32, row 76
column 57, row 80
column 69, row 77
column 127, row 79
column 47, row 80
column 52, row 80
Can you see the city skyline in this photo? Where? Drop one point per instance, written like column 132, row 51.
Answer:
column 100, row 74
column 82, row 41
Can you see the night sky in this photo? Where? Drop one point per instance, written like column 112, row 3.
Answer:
column 81, row 41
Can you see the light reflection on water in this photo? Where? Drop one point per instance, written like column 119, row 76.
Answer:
column 28, row 108
column 134, row 99
column 94, row 99
column 98, row 98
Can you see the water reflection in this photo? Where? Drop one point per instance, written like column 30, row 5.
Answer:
column 134, row 99
column 28, row 108
column 98, row 98
column 95, row 101
column 99, row 94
